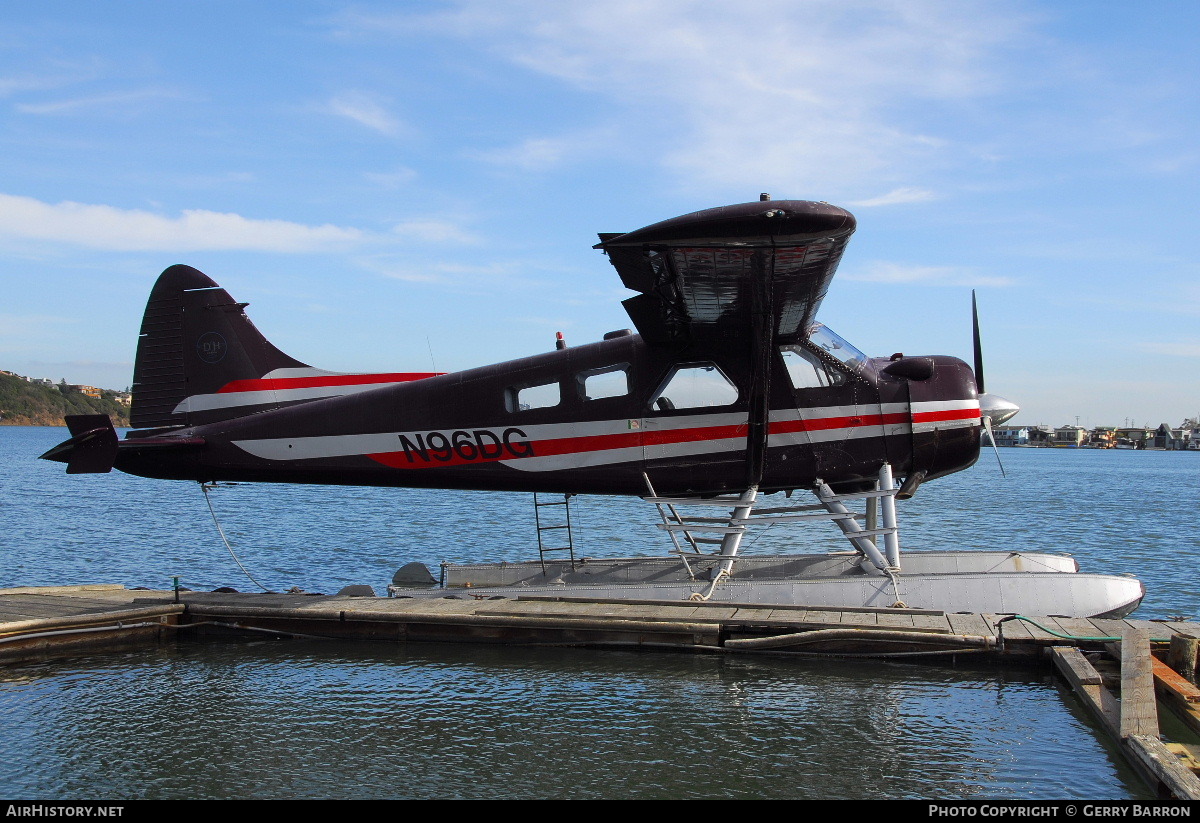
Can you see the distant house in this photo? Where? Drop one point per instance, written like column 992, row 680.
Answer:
column 1103, row 437
column 1041, row 436
column 1135, row 437
column 1168, row 438
column 123, row 397
column 1071, row 437
column 1007, row 436
column 90, row 391
column 43, row 381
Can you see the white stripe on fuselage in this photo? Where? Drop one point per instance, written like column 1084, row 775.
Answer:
column 703, row 440
column 237, row 399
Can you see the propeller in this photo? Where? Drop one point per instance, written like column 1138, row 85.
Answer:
column 993, row 409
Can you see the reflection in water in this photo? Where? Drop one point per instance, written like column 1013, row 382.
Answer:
column 309, row 719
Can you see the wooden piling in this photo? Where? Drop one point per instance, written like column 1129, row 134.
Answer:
column 1182, row 655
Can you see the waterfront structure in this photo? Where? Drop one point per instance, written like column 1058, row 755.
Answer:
column 1071, row 437
column 1011, row 436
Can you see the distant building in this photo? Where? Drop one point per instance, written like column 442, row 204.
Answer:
column 1134, row 437
column 1041, row 436
column 1007, row 436
column 1103, row 437
column 1168, row 438
column 90, row 391
column 1071, row 437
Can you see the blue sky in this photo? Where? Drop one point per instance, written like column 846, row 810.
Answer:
column 418, row 185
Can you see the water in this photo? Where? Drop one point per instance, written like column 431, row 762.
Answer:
column 310, row 719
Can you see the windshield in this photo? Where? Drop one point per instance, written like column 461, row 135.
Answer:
column 825, row 338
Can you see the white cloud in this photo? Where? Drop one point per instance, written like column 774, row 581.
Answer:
column 899, row 274
column 441, row 272
column 534, row 154
column 433, row 231
column 906, row 194
column 107, row 227
column 1189, row 348
column 393, row 179
column 811, row 98
column 116, row 100
column 366, row 110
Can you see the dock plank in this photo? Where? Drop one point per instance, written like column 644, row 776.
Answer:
column 1079, row 628
column 1013, row 629
column 898, row 621
column 930, row 621
column 1139, row 709
column 971, row 624
column 1155, row 630
column 1184, row 627
column 1108, row 627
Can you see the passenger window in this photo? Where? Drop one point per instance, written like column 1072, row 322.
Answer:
column 807, row 371
column 542, row 396
column 693, row 387
column 608, row 382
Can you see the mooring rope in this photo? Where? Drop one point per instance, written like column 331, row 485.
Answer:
column 205, row 487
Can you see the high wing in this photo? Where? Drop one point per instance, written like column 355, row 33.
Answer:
column 753, row 269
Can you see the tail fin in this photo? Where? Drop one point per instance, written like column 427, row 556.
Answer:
column 195, row 341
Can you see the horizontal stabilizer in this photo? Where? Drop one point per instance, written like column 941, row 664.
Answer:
column 92, row 448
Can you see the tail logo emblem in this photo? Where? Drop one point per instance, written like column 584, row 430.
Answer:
column 211, row 347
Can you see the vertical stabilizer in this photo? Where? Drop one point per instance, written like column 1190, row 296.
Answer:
column 195, row 341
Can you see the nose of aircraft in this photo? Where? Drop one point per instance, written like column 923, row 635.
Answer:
column 996, row 408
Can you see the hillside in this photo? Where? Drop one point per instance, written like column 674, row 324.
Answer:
column 28, row 404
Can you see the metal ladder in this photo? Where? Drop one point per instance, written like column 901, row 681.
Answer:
column 543, row 549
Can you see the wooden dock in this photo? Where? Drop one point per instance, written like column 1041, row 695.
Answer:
column 1114, row 666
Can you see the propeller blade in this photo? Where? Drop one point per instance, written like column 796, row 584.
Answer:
column 991, row 407
column 987, row 424
column 978, row 344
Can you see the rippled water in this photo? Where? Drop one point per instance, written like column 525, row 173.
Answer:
column 305, row 719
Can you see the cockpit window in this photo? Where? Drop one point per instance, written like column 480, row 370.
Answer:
column 695, row 386
column 829, row 341
column 807, row 370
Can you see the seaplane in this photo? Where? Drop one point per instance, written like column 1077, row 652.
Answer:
column 726, row 392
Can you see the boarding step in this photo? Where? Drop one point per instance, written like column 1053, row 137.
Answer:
column 561, row 526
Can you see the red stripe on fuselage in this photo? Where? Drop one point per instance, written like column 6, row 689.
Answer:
column 849, row 422
column 655, row 437
column 652, row 437
column 279, row 383
column 560, row 446
column 943, row 416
